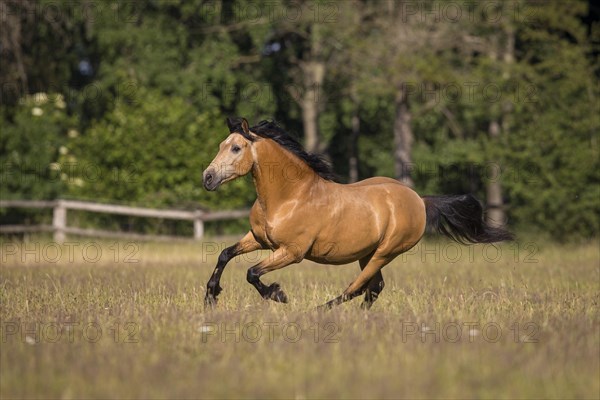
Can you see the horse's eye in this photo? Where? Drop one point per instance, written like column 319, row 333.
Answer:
column 235, row 149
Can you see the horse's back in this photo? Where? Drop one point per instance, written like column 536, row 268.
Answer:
column 376, row 180
column 392, row 190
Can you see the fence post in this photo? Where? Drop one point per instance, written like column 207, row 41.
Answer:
column 59, row 221
column 198, row 226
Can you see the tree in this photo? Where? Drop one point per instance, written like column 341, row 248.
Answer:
column 409, row 54
column 385, row 88
column 152, row 154
column 553, row 145
column 41, row 45
column 31, row 145
column 305, row 46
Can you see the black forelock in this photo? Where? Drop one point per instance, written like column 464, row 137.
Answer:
column 271, row 130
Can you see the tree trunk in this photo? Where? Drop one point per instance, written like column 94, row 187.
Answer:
column 403, row 140
column 353, row 148
column 496, row 215
column 495, row 211
column 314, row 73
column 310, row 119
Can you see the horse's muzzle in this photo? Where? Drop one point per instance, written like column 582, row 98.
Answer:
column 210, row 180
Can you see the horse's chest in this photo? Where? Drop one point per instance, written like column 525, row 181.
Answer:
column 261, row 232
column 263, row 229
column 272, row 231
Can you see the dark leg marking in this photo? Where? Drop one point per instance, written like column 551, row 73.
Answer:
column 339, row 300
column 213, row 288
column 374, row 288
column 271, row 292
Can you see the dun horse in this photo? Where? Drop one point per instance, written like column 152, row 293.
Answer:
column 301, row 213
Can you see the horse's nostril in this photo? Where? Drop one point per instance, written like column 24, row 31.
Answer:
column 208, row 179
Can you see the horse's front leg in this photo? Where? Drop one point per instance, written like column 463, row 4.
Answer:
column 246, row 245
column 280, row 258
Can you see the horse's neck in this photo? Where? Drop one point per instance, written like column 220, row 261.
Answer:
column 279, row 175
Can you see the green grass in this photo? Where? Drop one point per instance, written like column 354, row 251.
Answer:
column 528, row 322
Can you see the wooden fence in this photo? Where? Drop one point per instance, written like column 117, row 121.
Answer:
column 59, row 220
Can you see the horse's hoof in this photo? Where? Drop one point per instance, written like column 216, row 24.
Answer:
column 329, row 305
column 276, row 294
column 323, row 307
column 210, row 301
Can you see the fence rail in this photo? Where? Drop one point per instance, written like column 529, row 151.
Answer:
column 59, row 219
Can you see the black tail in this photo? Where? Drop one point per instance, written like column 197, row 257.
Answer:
column 461, row 219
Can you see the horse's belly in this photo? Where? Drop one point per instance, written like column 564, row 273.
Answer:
column 346, row 241
column 336, row 255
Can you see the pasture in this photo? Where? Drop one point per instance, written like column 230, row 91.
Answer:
column 127, row 320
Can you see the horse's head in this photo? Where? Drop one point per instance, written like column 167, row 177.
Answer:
column 235, row 157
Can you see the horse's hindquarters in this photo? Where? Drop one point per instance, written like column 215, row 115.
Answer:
column 386, row 217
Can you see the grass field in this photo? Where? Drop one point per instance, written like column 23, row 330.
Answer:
column 117, row 319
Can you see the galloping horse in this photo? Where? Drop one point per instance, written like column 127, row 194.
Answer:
column 301, row 213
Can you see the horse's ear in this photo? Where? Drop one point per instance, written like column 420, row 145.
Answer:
column 230, row 124
column 245, row 126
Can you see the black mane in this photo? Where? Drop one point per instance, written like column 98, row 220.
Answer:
column 271, row 130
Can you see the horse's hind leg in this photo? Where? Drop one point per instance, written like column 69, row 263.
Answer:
column 374, row 288
column 360, row 284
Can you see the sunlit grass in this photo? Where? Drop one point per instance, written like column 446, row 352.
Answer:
column 130, row 323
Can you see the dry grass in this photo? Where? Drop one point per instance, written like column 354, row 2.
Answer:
column 527, row 329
